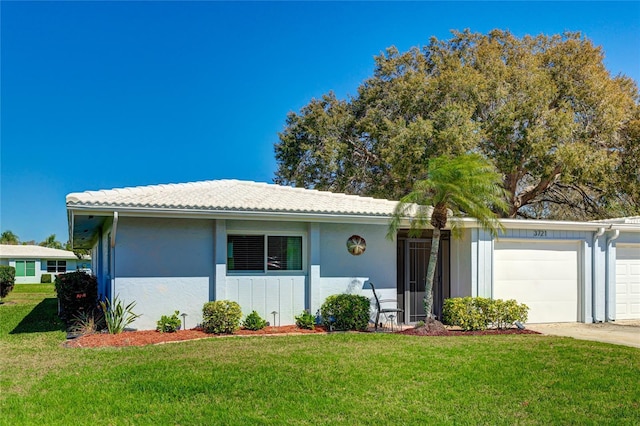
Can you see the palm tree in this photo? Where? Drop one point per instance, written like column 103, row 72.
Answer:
column 51, row 242
column 463, row 186
column 8, row 237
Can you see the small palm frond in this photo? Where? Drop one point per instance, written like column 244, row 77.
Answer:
column 466, row 186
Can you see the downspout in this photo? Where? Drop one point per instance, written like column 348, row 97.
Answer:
column 112, row 246
column 594, row 277
column 71, row 220
column 607, row 281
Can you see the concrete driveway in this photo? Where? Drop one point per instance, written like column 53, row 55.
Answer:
column 625, row 332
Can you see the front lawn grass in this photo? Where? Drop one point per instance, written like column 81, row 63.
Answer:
column 341, row 378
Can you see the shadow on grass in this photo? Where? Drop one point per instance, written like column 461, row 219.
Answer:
column 41, row 319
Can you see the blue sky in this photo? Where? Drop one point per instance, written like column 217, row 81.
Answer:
column 97, row 95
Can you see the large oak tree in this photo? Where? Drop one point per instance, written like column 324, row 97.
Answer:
column 561, row 130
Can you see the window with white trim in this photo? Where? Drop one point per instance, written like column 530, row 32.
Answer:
column 25, row 268
column 56, row 266
column 260, row 253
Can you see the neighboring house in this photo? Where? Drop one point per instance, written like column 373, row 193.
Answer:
column 32, row 261
column 280, row 249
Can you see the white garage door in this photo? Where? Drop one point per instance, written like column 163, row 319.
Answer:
column 627, row 282
column 541, row 274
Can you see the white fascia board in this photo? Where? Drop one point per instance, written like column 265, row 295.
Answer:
column 38, row 257
column 334, row 218
column 539, row 224
column 229, row 214
column 627, row 227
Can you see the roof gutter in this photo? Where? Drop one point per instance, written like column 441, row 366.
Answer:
column 233, row 214
column 70, row 222
column 607, row 279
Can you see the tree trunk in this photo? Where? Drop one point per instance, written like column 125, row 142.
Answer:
column 431, row 273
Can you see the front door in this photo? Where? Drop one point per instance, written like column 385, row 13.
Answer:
column 418, row 251
column 413, row 259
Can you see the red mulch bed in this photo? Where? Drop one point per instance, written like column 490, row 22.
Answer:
column 448, row 332
column 152, row 337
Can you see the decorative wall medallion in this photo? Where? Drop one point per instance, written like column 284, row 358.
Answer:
column 356, row 245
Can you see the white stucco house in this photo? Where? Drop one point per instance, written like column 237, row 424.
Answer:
column 32, row 261
column 280, row 249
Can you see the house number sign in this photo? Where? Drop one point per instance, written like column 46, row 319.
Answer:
column 540, row 233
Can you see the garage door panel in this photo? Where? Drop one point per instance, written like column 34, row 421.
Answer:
column 628, row 282
column 537, row 291
column 543, row 275
column 521, row 251
column 553, row 270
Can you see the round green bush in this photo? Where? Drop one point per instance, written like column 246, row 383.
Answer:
column 169, row 324
column 346, row 312
column 254, row 321
column 305, row 320
column 221, row 317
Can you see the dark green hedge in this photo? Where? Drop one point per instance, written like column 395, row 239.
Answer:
column 77, row 292
column 480, row 313
column 7, row 280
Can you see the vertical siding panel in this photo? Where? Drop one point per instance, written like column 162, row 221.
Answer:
column 244, row 291
column 258, row 296
column 283, row 294
column 271, row 298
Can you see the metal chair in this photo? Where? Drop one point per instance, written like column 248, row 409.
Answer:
column 390, row 314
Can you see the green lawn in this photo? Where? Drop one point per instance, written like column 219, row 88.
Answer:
column 312, row 379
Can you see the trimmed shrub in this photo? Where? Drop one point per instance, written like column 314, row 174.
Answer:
column 7, row 280
column 305, row 320
column 479, row 313
column 169, row 324
column 77, row 291
column 45, row 278
column 510, row 311
column 221, row 317
column 254, row 321
column 346, row 312
column 464, row 312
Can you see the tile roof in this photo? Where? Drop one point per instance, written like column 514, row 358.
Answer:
column 33, row 252
column 232, row 195
column 628, row 219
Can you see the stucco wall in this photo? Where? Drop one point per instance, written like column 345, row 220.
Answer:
column 628, row 238
column 99, row 260
column 341, row 272
column 164, row 265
